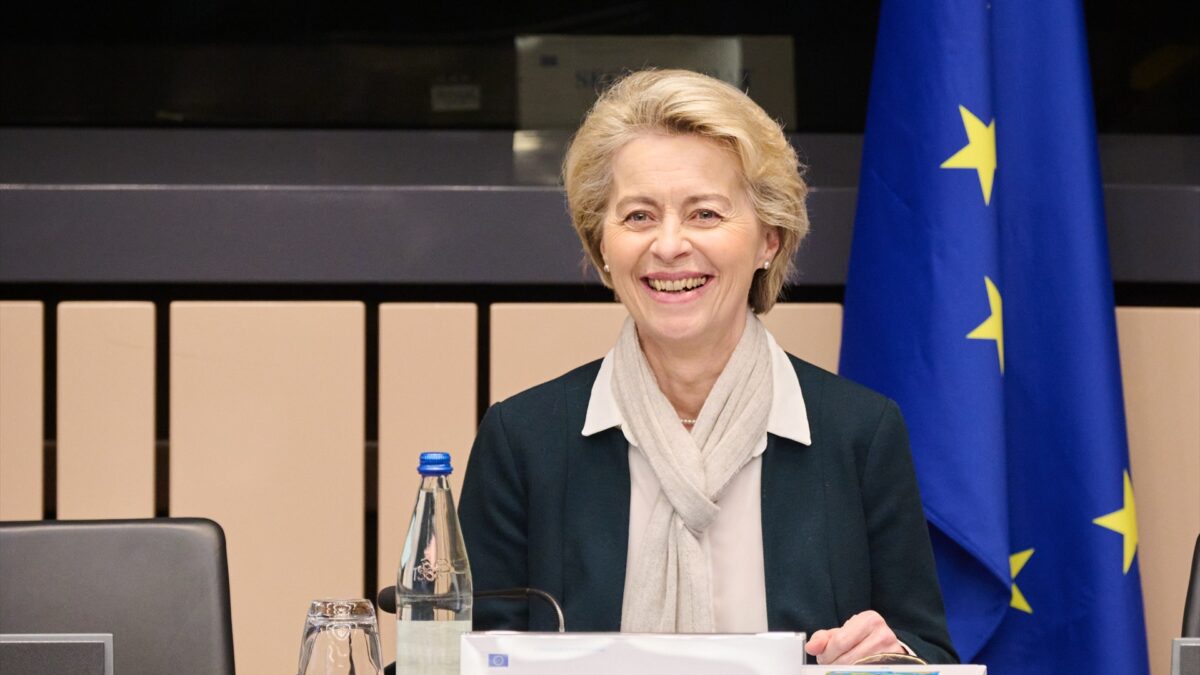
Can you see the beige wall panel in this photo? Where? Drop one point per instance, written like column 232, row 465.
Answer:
column 21, row 369
column 1160, row 367
column 105, row 410
column 427, row 401
column 812, row 331
column 535, row 342
column 267, row 440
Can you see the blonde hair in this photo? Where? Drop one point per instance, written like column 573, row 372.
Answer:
column 684, row 102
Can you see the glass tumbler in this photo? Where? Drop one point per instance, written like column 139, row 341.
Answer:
column 340, row 638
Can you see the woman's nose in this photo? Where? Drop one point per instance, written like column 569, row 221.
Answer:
column 670, row 241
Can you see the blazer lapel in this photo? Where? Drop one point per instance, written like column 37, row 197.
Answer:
column 796, row 560
column 596, row 527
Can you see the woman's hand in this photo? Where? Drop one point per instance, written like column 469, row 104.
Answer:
column 864, row 634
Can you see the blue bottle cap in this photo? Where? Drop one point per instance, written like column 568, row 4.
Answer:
column 435, row 464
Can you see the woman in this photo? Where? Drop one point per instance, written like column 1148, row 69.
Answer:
column 699, row 479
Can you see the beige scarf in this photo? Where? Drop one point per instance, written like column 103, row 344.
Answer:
column 669, row 589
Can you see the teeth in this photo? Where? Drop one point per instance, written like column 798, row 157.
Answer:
column 677, row 285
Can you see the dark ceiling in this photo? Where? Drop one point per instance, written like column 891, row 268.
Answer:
column 197, row 63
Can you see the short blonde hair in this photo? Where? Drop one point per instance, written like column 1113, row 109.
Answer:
column 684, row 102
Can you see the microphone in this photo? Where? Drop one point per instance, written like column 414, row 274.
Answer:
column 386, row 600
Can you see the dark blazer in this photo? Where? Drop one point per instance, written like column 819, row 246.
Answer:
column 843, row 528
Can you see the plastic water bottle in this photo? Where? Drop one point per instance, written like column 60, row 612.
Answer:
column 433, row 584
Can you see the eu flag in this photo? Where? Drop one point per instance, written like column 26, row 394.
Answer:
column 979, row 297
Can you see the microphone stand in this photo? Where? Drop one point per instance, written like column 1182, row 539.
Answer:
column 386, row 600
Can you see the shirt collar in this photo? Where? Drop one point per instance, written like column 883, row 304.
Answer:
column 788, row 417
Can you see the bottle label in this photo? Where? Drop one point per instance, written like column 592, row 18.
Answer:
column 429, row 647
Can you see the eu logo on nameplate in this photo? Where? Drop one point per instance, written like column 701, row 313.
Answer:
column 497, row 660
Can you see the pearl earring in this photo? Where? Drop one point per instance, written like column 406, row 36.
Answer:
column 766, row 264
column 606, row 268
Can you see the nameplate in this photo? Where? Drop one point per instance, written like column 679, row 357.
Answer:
column 1185, row 656
column 506, row 653
column 57, row 653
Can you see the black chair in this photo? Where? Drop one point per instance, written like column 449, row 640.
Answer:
column 160, row 587
column 1191, row 605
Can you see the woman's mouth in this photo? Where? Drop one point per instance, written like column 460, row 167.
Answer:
column 680, row 286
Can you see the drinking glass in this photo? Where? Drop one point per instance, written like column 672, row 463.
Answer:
column 340, row 638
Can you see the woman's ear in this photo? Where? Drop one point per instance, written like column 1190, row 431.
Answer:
column 770, row 244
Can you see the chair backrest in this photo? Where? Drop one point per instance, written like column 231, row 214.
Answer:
column 1191, row 606
column 160, row 587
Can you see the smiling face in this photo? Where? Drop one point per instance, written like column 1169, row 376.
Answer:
column 682, row 241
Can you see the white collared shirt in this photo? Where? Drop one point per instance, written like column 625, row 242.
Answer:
column 733, row 543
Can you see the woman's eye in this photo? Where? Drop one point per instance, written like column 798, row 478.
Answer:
column 637, row 217
column 707, row 215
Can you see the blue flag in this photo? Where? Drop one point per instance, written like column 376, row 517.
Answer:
column 980, row 298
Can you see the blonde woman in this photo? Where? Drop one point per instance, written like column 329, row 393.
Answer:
column 698, row 478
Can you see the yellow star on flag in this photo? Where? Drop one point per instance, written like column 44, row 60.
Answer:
column 1124, row 521
column 1015, row 562
column 992, row 327
column 979, row 153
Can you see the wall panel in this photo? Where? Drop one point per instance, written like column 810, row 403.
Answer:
column 105, row 393
column 1160, row 369
column 534, row 342
column 811, row 331
column 267, row 414
column 21, row 434
column 427, row 401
